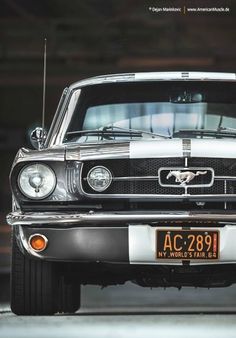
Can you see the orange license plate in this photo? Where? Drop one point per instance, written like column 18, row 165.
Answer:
column 187, row 244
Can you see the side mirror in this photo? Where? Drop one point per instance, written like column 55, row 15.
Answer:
column 37, row 137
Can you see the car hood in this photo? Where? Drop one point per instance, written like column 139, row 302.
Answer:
column 220, row 148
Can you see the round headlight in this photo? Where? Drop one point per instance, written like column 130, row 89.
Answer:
column 99, row 178
column 36, row 181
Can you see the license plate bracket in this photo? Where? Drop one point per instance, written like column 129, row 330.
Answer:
column 173, row 244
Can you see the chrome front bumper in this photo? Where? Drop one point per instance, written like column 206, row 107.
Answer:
column 49, row 218
column 134, row 244
column 118, row 237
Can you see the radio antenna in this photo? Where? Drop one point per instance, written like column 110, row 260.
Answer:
column 44, row 81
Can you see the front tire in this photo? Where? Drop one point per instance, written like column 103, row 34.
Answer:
column 39, row 287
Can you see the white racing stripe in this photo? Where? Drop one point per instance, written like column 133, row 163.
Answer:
column 157, row 148
column 222, row 148
column 225, row 148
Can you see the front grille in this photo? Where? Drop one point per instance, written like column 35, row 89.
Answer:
column 133, row 167
column 221, row 166
column 141, row 187
column 149, row 167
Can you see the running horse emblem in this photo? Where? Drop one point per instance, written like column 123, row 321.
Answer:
column 184, row 177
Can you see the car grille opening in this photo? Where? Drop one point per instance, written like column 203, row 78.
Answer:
column 132, row 176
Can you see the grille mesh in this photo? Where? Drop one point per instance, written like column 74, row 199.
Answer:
column 149, row 167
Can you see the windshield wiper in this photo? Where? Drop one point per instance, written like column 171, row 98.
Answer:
column 218, row 133
column 109, row 132
column 114, row 128
column 104, row 133
column 227, row 129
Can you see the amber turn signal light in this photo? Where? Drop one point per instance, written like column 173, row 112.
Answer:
column 38, row 242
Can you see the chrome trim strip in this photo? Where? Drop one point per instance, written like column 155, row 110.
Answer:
column 132, row 178
column 146, row 178
column 186, row 162
column 26, row 244
column 153, row 178
column 69, row 108
column 160, row 197
column 30, row 219
column 154, row 76
column 225, row 191
column 227, row 178
column 136, row 178
column 186, row 144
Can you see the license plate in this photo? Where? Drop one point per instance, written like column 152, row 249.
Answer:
column 187, row 244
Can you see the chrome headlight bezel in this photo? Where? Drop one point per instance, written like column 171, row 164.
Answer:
column 109, row 178
column 32, row 196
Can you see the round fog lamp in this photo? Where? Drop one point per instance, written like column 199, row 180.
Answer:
column 99, row 178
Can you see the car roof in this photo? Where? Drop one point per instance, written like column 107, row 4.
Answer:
column 155, row 76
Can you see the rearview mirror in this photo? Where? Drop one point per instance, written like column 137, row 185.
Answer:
column 187, row 98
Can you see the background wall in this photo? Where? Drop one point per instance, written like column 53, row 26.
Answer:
column 92, row 37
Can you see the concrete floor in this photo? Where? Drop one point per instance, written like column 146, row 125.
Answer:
column 132, row 311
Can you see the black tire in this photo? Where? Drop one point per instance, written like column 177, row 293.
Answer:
column 39, row 288
column 69, row 296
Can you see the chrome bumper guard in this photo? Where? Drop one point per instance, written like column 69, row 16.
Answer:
column 49, row 218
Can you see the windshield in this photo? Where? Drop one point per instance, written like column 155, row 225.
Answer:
column 155, row 109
